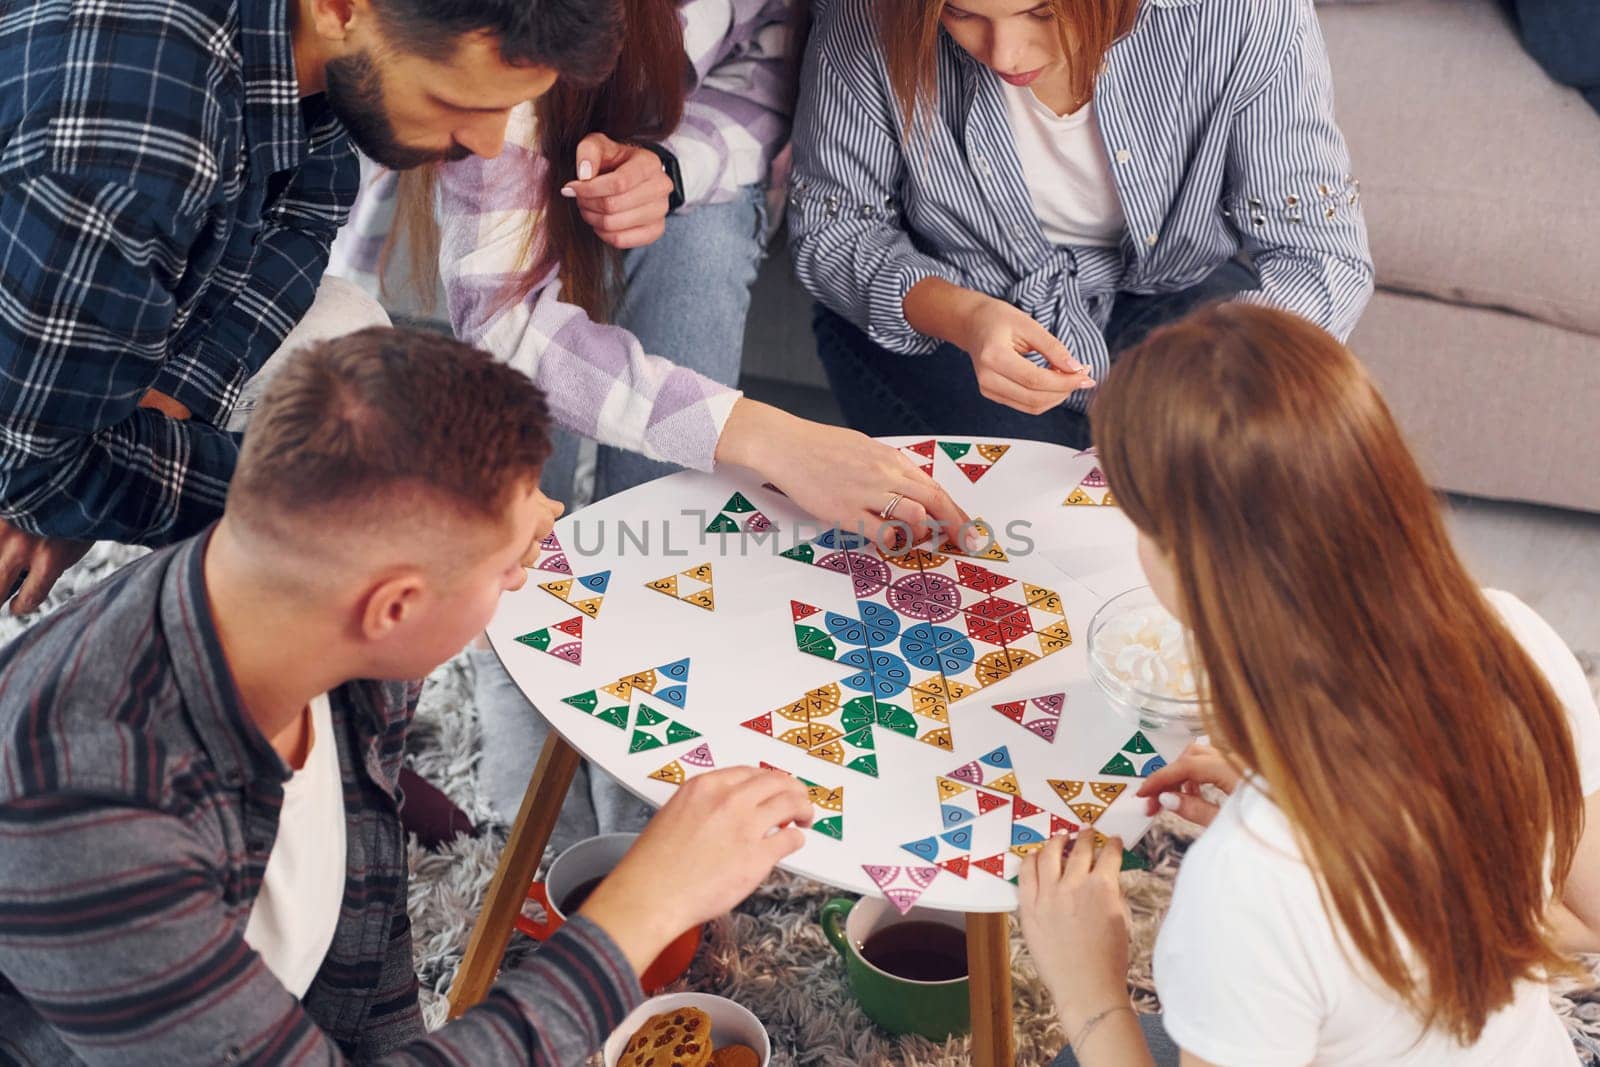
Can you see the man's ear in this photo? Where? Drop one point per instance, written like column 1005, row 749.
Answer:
column 390, row 604
column 334, row 19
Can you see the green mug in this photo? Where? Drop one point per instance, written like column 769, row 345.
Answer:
column 936, row 1010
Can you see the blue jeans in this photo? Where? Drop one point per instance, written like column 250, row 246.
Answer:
column 1564, row 36
column 1162, row 1048
column 883, row 392
column 686, row 298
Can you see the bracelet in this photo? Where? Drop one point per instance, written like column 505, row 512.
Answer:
column 1087, row 1028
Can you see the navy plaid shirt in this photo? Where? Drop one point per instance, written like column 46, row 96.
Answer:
column 166, row 206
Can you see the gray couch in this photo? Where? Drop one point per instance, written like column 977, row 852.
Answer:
column 1481, row 181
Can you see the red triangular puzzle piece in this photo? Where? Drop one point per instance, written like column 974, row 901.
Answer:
column 974, row 471
column 1021, row 809
column 1013, row 710
column 573, row 626
column 923, row 448
column 988, row 802
column 802, row 611
column 761, row 724
column 957, row 866
column 995, row 865
column 1059, row 825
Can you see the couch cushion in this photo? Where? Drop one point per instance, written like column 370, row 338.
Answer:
column 1480, row 176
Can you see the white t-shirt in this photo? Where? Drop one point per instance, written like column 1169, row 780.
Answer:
column 293, row 920
column 1248, row 965
column 1068, row 172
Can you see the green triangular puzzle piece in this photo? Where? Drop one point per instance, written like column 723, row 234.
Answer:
column 642, row 742
column 738, row 504
column 860, row 712
column 1140, row 744
column 897, row 719
column 722, row 524
column 649, row 717
column 861, row 738
column 803, row 553
column 955, row 449
column 812, row 641
column 1132, row 861
column 539, row 639
column 676, row 732
column 1119, row 764
column 617, row 716
column 867, row 764
column 584, row 702
column 832, row 826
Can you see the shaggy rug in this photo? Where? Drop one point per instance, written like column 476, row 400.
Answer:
column 770, row 954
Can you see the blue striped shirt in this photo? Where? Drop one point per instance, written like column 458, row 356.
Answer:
column 1217, row 116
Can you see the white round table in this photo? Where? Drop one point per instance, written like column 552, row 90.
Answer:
column 655, row 673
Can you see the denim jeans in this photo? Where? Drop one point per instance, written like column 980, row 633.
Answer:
column 1163, row 1050
column 686, row 298
column 883, row 392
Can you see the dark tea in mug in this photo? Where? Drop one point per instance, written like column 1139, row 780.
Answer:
column 918, row 951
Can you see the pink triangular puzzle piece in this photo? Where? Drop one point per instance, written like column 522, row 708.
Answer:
column 699, row 756
column 1052, row 704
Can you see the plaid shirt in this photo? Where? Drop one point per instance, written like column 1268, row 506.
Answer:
column 166, row 206
column 138, row 807
column 598, row 379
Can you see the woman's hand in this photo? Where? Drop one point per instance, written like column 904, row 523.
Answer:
column 998, row 338
column 1176, row 787
column 843, row 478
column 622, row 191
column 1076, row 925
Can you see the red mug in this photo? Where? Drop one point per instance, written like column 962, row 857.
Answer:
column 587, row 862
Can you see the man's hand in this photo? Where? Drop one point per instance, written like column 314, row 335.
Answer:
column 622, row 191
column 705, row 851
column 29, row 566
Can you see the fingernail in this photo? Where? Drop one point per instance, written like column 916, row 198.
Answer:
column 585, row 171
column 1170, row 801
column 568, row 192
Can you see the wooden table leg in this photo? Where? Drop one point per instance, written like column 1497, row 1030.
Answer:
column 536, row 821
column 989, row 981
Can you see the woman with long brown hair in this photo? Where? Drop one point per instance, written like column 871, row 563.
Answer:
column 1404, row 859
column 992, row 198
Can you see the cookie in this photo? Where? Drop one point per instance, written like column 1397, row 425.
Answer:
column 679, row 1038
column 735, row 1056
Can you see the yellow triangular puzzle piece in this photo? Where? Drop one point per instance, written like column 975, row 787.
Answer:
column 833, row 752
column 939, row 738
column 672, row 774
column 1108, row 501
column 1108, row 791
column 1066, row 788
column 667, row 585
column 992, row 453
column 702, row 599
column 700, row 573
column 1006, row 783
column 825, row 798
column 1078, row 496
column 1087, row 812
column 590, row 607
column 560, row 588
column 949, row 787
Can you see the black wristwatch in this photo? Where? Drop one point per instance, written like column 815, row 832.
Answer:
column 669, row 163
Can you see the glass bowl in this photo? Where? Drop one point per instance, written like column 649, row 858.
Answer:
column 1155, row 708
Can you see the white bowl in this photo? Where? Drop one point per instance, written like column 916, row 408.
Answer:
column 731, row 1024
column 1155, row 711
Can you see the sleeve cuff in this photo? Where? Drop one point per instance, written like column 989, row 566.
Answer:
column 886, row 305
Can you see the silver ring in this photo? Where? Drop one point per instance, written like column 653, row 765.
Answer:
column 888, row 509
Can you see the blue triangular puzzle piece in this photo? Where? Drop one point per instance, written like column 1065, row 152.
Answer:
column 959, row 838
column 1000, row 757
column 954, row 815
column 678, row 671
column 597, row 582
column 1155, row 764
column 926, row 849
column 1023, row 835
column 676, row 695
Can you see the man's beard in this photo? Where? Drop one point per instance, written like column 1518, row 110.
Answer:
column 355, row 95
